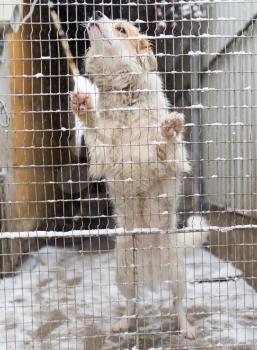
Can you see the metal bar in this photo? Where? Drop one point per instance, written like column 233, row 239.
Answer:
column 2, row 199
column 196, row 132
column 119, row 232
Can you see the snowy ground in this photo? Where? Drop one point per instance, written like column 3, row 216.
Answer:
column 62, row 299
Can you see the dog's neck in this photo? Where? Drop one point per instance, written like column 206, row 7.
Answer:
column 127, row 86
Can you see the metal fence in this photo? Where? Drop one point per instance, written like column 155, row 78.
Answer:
column 107, row 239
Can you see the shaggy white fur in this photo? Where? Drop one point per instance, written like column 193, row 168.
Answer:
column 137, row 145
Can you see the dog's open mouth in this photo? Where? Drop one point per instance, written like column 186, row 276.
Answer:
column 94, row 24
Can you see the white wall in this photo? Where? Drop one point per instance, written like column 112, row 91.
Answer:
column 229, row 119
column 225, row 19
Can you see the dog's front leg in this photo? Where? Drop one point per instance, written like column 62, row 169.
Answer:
column 173, row 151
column 82, row 105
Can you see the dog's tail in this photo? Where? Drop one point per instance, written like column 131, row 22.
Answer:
column 195, row 235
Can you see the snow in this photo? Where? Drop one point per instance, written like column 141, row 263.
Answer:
column 138, row 20
column 68, row 299
column 197, row 222
column 197, row 106
column 196, row 53
column 38, row 75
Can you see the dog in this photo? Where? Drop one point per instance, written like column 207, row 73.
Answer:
column 136, row 144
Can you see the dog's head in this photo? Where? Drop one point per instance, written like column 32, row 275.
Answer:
column 119, row 43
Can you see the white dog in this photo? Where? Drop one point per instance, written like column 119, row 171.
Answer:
column 135, row 143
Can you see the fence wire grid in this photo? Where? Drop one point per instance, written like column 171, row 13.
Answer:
column 128, row 163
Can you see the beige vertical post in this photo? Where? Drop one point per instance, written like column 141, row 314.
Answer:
column 39, row 124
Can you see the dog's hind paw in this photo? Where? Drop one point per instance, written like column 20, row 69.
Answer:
column 121, row 326
column 172, row 126
column 189, row 332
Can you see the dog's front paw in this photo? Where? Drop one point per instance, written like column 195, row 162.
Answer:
column 172, row 126
column 81, row 102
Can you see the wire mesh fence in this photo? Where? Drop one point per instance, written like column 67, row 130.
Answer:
column 128, row 174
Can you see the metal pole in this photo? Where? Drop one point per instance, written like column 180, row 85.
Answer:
column 196, row 129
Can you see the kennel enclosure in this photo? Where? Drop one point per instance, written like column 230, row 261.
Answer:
column 58, row 230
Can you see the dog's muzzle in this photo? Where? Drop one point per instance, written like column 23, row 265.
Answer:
column 98, row 15
column 93, row 20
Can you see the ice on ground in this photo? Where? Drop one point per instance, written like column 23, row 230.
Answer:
column 66, row 299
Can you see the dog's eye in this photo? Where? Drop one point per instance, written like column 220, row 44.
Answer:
column 121, row 30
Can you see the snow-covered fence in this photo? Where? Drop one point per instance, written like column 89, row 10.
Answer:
column 58, row 224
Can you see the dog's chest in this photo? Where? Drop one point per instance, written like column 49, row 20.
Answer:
column 132, row 147
column 131, row 130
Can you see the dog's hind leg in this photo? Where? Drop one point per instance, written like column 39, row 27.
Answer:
column 126, row 281
column 178, row 290
column 173, row 260
column 128, row 320
column 128, row 257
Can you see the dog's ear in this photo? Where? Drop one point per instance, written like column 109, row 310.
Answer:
column 146, row 56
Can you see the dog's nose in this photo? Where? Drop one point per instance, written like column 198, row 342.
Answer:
column 98, row 15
